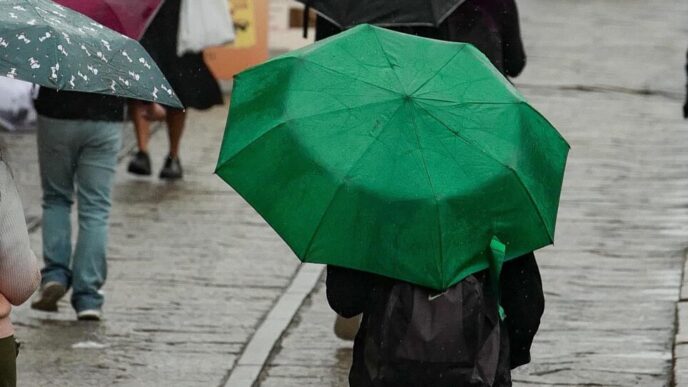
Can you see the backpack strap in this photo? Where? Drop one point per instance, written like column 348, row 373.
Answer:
column 498, row 250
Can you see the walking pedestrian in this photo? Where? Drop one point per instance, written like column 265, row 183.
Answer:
column 685, row 104
column 19, row 272
column 191, row 80
column 79, row 136
column 493, row 27
column 404, row 342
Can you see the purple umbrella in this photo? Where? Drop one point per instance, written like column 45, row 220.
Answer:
column 128, row 17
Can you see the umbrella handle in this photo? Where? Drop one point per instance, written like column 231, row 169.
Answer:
column 498, row 252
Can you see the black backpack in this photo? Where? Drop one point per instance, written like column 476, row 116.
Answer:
column 417, row 337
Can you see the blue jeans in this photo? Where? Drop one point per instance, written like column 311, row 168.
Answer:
column 77, row 157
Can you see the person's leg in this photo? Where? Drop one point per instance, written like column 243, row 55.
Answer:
column 140, row 164
column 95, row 177
column 8, row 362
column 56, row 159
column 176, row 120
column 137, row 111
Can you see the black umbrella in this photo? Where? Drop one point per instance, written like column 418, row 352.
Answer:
column 387, row 13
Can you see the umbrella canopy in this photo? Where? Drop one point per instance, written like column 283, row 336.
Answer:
column 48, row 44
column 393, row 154
column 348, row 13
column 128, row 17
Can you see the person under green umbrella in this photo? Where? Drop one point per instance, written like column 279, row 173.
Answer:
column 398, row 156
column 493, row 27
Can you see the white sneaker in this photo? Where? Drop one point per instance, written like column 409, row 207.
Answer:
column 90, row 315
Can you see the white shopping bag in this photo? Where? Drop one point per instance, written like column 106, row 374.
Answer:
column 203, row 24
column 16, row 104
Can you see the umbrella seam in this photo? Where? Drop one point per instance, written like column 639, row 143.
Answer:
column 449, row 12
column 512, row 170
column 150, row 20
column 388, row 24
column 55, row 56
column 281, row 124
column 470, row 81
column 348, row 173
column 384, row 53
column 326, row 17
column 349, row 76
column 440, row 69
column 549, row 123
column 434, row 192
column 454, row 103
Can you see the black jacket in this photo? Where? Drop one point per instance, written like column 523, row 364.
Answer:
column 490, row 25
column 73, row 105
column 493, row 27
column 352, row 292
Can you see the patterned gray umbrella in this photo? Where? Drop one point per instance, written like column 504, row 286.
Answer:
column 45, row 43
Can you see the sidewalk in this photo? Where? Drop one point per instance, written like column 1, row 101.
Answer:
column 192, row 271
column 612, row 279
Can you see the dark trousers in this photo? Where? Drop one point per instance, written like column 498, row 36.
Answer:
column 8, row 362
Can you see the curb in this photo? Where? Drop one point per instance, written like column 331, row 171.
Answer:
column 679, row 376
column 254, row 357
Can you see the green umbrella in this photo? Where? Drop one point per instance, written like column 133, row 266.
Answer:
column 45, row 43
column 393, row 154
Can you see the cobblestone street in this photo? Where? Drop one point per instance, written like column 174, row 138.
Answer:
column 193, row 270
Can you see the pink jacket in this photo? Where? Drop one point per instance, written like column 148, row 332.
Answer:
column 19, row 272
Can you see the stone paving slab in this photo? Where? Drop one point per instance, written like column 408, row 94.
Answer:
column 192, row 272
column 612, row 279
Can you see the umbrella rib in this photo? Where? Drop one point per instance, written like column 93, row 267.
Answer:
column 449, row 12
column 437, row 73
column 348, row 173
column 547, row 121
column 55, row 56
column 434, row 192
column 468, row 103
column 349, row 76
column 511, row 169
column 453, row 87
column 391, row 67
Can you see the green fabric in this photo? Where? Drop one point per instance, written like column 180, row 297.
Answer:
column 496, row 262
column 45, row 43
column 8, row 362
column 393, row 154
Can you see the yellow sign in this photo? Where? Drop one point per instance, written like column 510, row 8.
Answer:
column 251, row 44
column 244, row 16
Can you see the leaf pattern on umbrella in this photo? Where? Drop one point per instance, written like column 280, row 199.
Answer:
column 51, row 45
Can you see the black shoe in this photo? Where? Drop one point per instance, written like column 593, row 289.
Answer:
column 172, row 170
column 140, row 164
column 48, row 296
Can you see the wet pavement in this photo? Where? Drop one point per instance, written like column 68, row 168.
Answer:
column 609, row 74
column 193, row 271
